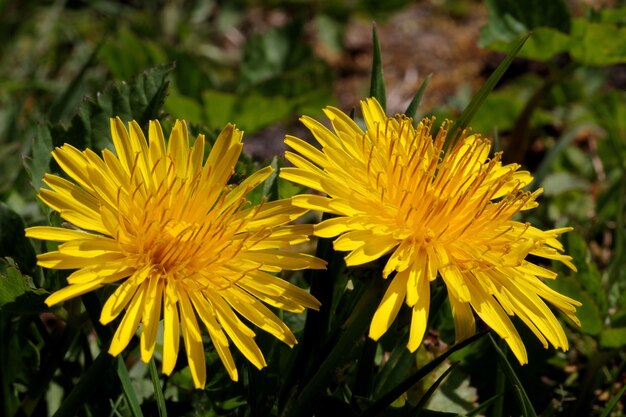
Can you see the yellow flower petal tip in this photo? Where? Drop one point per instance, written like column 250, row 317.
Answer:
column 161, row 223
column 395, row 190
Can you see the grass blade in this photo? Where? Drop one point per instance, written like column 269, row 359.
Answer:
column 127, row 388
column 468, row 114
column 485, row 405
column 411, row 111
column 158, row 391
column 609, row 407
column 385, row 400
column 377, row 85
column 524, row 401
column 431, row 390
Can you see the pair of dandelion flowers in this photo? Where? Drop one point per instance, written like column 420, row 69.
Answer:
column 184, row 245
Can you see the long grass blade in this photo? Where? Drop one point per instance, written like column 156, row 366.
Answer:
column 522, row 397
column 385, row 400
column 411, row 111
column 470, row 111
column 127, row 388
column 431, row 390
column 158, row 391
column 377, row 84
column 611, row 405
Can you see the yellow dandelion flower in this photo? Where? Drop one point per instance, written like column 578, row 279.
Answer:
column 163, row 226
column 395, row 192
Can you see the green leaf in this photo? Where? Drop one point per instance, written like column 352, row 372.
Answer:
column 270, row 186
column 478, row 99
column 389, row 397
column 377, row 83
column 140, row 99
column 218, row 108
column 411, row 111
column 185, row 108
column 522, row 397
column 13, row 242
column 18, row 295
column 433, row 389
column 39, row 164
column 509, row 19
column 127, row 388
column 598, row 44
column 589, row 314
column 613, row 338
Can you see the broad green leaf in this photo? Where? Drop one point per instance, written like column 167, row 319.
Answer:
column 544, row 44
column 509, row 19
column 185, row 108
column 561, row 182
column 125, row 54
column 219, row 108
column 598, row 44
column 255, row 112
column 589, row 314
column 18, row 295
column 613, row 338
column 140, row 99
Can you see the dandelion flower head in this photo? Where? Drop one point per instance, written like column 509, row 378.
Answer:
column 394, row 191
column 162, row 227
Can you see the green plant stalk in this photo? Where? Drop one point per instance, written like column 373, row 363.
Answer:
column 352, row 330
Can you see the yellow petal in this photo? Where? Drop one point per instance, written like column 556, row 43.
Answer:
column 389, row 306
column 128, row 325
column 171, row 328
